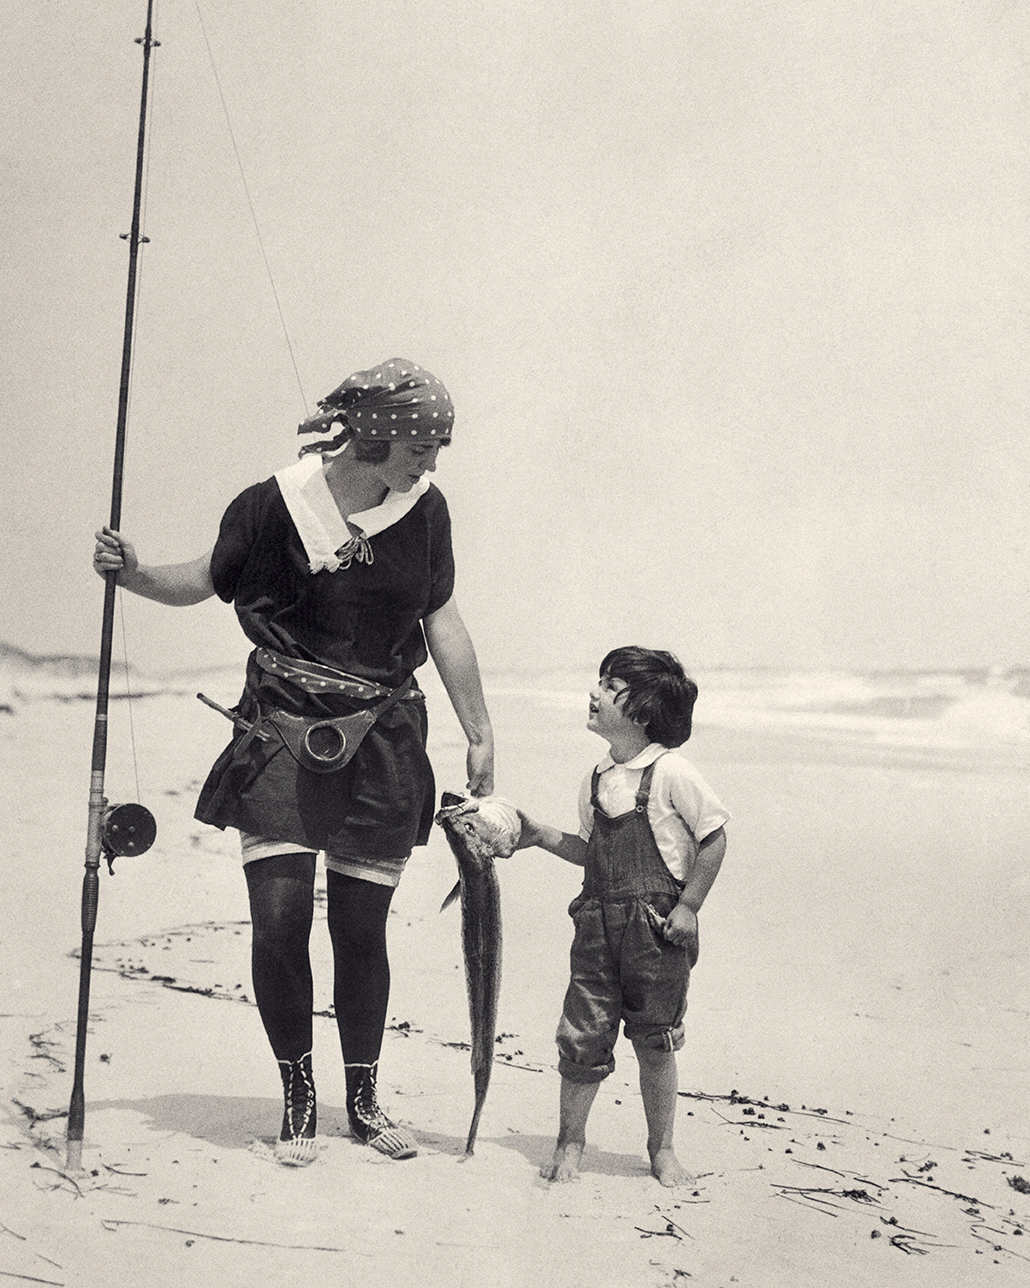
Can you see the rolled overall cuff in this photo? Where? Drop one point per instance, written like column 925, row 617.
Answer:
column 653, row 1038
column 585, row 1072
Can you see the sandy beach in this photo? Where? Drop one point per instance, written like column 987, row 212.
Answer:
column 853, row 1088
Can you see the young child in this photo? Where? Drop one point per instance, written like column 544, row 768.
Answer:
column 651, row 841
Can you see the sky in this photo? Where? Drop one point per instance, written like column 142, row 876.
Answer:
column 731, row 300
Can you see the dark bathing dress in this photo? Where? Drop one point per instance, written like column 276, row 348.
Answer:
column 364, row 619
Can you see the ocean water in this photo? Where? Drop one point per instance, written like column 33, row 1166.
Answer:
column 949, row 718
column 962, row 718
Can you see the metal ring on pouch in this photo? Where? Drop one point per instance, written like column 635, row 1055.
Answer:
column 326, row 731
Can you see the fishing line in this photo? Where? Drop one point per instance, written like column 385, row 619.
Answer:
column 150, row 134
column 250, row 204
column 128, row 694
column 128, row 406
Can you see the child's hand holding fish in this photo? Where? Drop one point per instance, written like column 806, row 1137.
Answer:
column 531, row 832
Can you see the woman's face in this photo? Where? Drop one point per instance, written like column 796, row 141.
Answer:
column 406, row 464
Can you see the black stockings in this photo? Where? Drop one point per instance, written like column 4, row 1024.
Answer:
column 361, row 989
column 281, row 892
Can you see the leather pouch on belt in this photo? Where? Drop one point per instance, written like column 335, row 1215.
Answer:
column 324, row 744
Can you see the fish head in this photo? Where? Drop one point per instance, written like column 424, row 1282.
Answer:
column 482, row 828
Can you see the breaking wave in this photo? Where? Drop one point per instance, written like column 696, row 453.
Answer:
column 918, row 716
column 964, row 711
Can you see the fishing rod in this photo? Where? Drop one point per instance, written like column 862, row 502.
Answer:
column 111, row 829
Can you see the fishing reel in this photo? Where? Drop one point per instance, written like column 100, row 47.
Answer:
column 126, row 830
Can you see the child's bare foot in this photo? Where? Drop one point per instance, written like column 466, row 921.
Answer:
column 666, row 1168
column 564, row 1166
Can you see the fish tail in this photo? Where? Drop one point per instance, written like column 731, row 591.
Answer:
column 471, row 1142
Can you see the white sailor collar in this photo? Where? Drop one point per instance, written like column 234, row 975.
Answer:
column 640, row 761
column 318, row 521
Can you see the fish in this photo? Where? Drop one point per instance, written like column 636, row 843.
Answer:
column 479, row 830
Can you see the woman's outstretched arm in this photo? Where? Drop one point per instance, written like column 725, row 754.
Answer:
column 455, row 659
column 176, row 584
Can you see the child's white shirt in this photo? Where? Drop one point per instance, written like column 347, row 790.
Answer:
column 682, row 809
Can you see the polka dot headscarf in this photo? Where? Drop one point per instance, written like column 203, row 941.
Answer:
column 396, row 399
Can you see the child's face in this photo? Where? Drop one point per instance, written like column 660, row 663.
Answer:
column 606, row 718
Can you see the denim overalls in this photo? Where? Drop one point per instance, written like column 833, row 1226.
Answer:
column 622, row 966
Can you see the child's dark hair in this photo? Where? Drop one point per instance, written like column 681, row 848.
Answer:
column 659, row 695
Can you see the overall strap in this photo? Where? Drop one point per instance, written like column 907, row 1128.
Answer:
column 644, row 790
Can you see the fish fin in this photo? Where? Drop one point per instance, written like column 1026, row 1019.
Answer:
column 451, row 897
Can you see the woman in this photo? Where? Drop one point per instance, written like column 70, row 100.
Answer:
column 341, row 573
